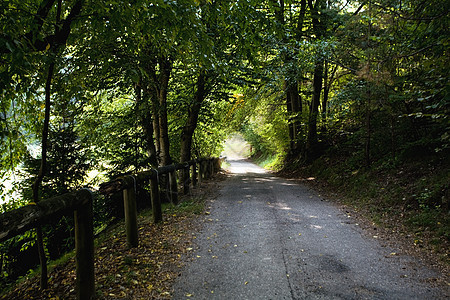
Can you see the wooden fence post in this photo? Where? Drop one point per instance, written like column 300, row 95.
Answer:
column 194, row 174
column 173, row 187
column 84, row 247
column 156, row 201
column 129, row 203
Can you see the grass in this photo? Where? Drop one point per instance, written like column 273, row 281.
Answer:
column 269, row 161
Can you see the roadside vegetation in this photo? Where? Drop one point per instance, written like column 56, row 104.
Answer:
column 145, row 272
column 353, row 93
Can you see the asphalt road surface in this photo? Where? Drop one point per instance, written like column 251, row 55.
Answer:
column 272, row 238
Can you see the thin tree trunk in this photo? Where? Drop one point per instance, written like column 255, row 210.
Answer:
column 314, row 111
column 319, row 31
column 156, row 130
column 367, row 143
column 146, row 120
column 166, row 68
column 42, row 171
column 64, row 31
column 290, row 120
column 294, row 109
column 293, row 100
column 326, row 90
column 367, row 146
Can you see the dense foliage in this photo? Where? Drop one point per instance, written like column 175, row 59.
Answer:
column 103, row 88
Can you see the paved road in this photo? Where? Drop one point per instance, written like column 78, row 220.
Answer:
column 271, row 238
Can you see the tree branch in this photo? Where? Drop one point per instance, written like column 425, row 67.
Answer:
column 54, row 40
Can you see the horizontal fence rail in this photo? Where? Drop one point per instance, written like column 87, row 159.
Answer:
column 79, row 203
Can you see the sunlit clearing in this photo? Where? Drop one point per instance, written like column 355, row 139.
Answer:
column 236, row 147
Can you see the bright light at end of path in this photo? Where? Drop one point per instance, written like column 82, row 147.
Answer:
column 244, row 167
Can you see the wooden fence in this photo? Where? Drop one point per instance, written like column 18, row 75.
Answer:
column 15, row 222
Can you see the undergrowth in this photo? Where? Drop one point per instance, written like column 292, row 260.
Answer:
column 62, row 270
column 410, row 196
column 273, row 162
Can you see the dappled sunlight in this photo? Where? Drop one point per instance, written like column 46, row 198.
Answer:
column 287, row 184
column 264, row 180
column 282, row 206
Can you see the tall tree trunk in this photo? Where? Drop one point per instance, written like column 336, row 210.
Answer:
column 156, row 130
column 319, row 31
column 44, row 145
column 62, row 32
column 293, row 100
column 367, row 144
column 290, row 120
column 165, row 65
column 193, row 112
column 314, row 111
column 41, row 174
column 294, row 109
column 146, row 119
column 326, row 91
column 329, row 78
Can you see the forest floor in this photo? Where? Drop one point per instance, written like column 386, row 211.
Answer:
column 145, row 272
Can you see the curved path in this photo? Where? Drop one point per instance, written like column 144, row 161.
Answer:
column 271, row 238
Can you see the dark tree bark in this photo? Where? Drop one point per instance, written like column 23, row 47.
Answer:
column 165, row 65
column 155, row 108
column 328, row 79
column 314, row 110
column 294, row 109
column 368, row 125
column 59, row 39
column 38, row 181
column 319, row 31
column 193, row 112
column 293, row 99
column 146, row 119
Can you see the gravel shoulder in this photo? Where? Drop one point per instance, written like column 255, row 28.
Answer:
column 270, row 238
